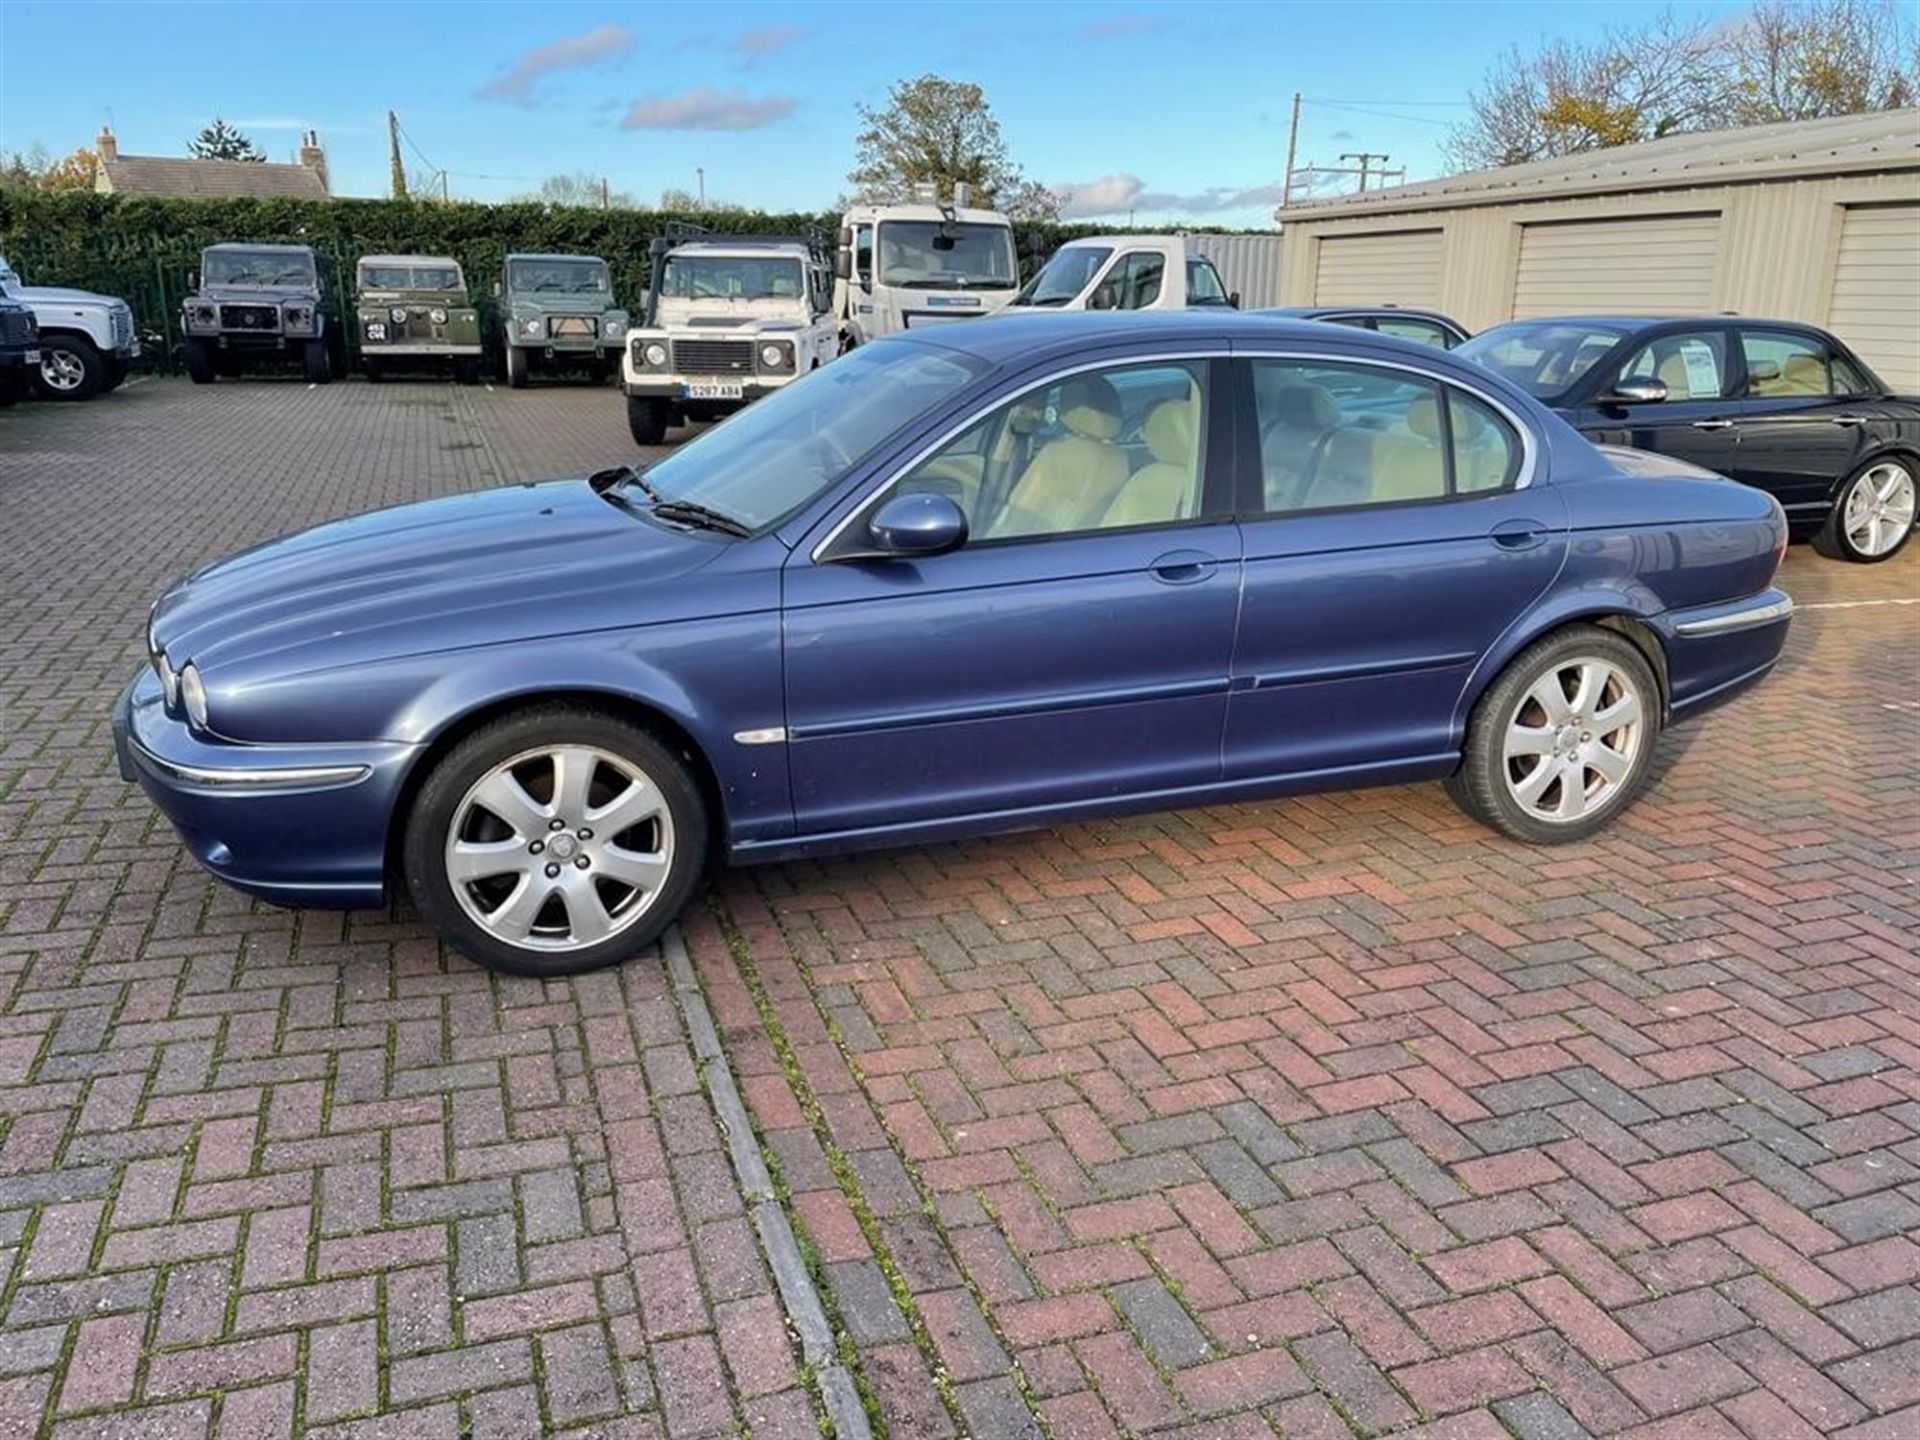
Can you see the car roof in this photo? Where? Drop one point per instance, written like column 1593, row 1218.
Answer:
column 1310, row 312
column 1009, row 336
column 250, row 246
column 408, row 260
column 1634, row 324
column 552, row 255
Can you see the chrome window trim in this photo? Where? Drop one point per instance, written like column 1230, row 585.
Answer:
column 1529, row 449
column 974, row 417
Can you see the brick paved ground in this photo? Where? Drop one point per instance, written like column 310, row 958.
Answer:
column 1327, row 1117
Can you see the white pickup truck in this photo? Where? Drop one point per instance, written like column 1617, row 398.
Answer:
column 729, row 318
column 1125, row 272
column 86, row 340
column 902, row 267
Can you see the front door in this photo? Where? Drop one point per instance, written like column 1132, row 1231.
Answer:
column 1390, row 540
column 1697, row 420
column 1073, row 650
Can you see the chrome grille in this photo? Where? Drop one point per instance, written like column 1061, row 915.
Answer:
column 122, row 326
column 713, row 357
column 249, row 317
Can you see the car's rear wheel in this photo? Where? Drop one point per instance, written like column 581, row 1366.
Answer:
column 1872, row 515
column 516, row 368
column 1561, row 741
column 199, row 358
column 647, row 419
column 315, row 363
column 70, row 368
column 556, row 840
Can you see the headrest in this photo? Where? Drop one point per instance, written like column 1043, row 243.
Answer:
column 1805, row 373
column 1169, row 431
column 1423, row 417
column 1306, row 407
column 1090, row 406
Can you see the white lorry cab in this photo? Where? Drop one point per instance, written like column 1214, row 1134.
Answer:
column 728, row 318
column 901, row 267
column 1125, row 272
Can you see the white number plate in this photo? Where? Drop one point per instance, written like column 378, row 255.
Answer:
column 717, row 390
column 33, row 357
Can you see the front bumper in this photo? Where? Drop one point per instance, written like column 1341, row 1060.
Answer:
column 1716, row 651
column 19, row 359
column 303, row 825
column 375, row 349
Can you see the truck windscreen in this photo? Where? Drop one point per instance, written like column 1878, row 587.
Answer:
column 933, row 255
column 732, row 277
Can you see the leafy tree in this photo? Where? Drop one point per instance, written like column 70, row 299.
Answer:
column 34, row 169
column 1802, row 62
column 942, row 131
column 220, row 141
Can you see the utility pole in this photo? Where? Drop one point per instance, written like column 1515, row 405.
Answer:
column 399, row 171
column 605, row 203
column 701, row 172
column 1365, row 157
column 445, row 198
column 1293, row 139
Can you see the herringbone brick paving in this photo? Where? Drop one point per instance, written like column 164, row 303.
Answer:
column 1328, row 1117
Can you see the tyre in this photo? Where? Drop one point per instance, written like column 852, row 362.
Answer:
column 199, row 358
column 117, row 369
column 374, row 373
column 1561, row 741
column 1872, row 514
column 554, row 841
column 467, row 371
column 70, row 368
column 647, row 419
column 516, row 368
column 315, row 363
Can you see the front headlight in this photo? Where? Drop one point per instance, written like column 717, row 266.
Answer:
column 437, row 315
column 299, row 318
column 531, row 328
column 656, row 354
column 201, row 315
column 613, row 329
column 776, row 357
column 193, row 695
column 376, row 330
column 398, row 314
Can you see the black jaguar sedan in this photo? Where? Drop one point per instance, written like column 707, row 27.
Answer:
column 1781, row 406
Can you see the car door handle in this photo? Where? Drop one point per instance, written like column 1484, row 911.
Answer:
column 1849, row 420
column 1183, row 567
column 1713, row 424
column 1518, row 534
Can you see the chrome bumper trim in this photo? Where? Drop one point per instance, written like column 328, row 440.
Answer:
column 1739, row 619
column 290, row 777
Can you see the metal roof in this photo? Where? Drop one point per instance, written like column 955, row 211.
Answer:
column 447, row 260
column 1877, row 141
column 173, row 176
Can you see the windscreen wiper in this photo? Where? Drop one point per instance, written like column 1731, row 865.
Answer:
column 691, row 512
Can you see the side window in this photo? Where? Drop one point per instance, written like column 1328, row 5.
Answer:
column 1136, row 280
column 1779, row 364
column 1203, row 283
column 863, row 253
column 1334, row 435
column 1486, row 451
column 1693, row 366
column 1425, row 331
column 1100, row 450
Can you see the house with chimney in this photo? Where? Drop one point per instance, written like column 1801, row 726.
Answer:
column 183, row 177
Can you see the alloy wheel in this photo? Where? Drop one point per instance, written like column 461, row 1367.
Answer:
column 1879, row 509
column 62, row 370
column 1571, row 742
column 561, row 848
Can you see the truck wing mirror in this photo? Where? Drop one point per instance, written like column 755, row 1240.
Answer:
column 842, row 264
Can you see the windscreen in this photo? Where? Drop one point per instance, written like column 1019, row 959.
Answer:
column 938, row 255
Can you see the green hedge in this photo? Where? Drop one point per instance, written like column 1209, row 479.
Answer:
column 141, row 249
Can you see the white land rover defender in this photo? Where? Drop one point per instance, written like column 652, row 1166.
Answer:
column 729, row 318
column 900, row 267
column 86, row 340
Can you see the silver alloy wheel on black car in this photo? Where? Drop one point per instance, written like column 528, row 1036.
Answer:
column 70, row 368
column 1561, row 740
column 1872, row 515
column 555, row 841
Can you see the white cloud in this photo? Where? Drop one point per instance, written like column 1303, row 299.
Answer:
column 707, row 109
column 1109, row 195
column 1119, row 193
column 515, row 83
column 765, row 40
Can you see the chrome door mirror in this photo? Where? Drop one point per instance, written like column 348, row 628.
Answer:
column 1638, row 390
column 919, row 524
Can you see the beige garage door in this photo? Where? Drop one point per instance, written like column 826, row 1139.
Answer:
column 1401, row 267
column 1662, row 265
column 1876, row 291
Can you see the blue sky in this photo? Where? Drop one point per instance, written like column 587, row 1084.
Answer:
column 1172, row 111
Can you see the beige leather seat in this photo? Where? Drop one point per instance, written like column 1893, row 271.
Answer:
column 1803, row 375
column 1295, row 418
column 1409, row 464
column 1163, row 489
column 1673, row 374
column 1072, row 481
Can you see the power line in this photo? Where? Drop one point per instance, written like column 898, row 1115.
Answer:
column 1380, row 114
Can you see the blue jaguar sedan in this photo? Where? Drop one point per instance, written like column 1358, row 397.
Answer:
column 982, row 578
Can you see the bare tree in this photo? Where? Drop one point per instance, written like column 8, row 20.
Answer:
column 583, row 189
column 682, row 201
column 1802, row 62
column 942, row 132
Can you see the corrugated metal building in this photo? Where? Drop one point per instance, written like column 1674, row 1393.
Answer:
column 1815, row 220
column 1249, row 264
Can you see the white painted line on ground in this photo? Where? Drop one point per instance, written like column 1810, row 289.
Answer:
column 1858, row 604
column 797, row 1293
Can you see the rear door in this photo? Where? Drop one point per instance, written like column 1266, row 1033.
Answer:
column 1798, row 435
column 1392, row 534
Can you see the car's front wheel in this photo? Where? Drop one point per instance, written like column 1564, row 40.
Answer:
column 1561, row 741
column 516, row 368
column 556, row 840
column 199, row 357
column 315, row 363
column 70, row 368
column 1872, row 515
column 647, row 420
